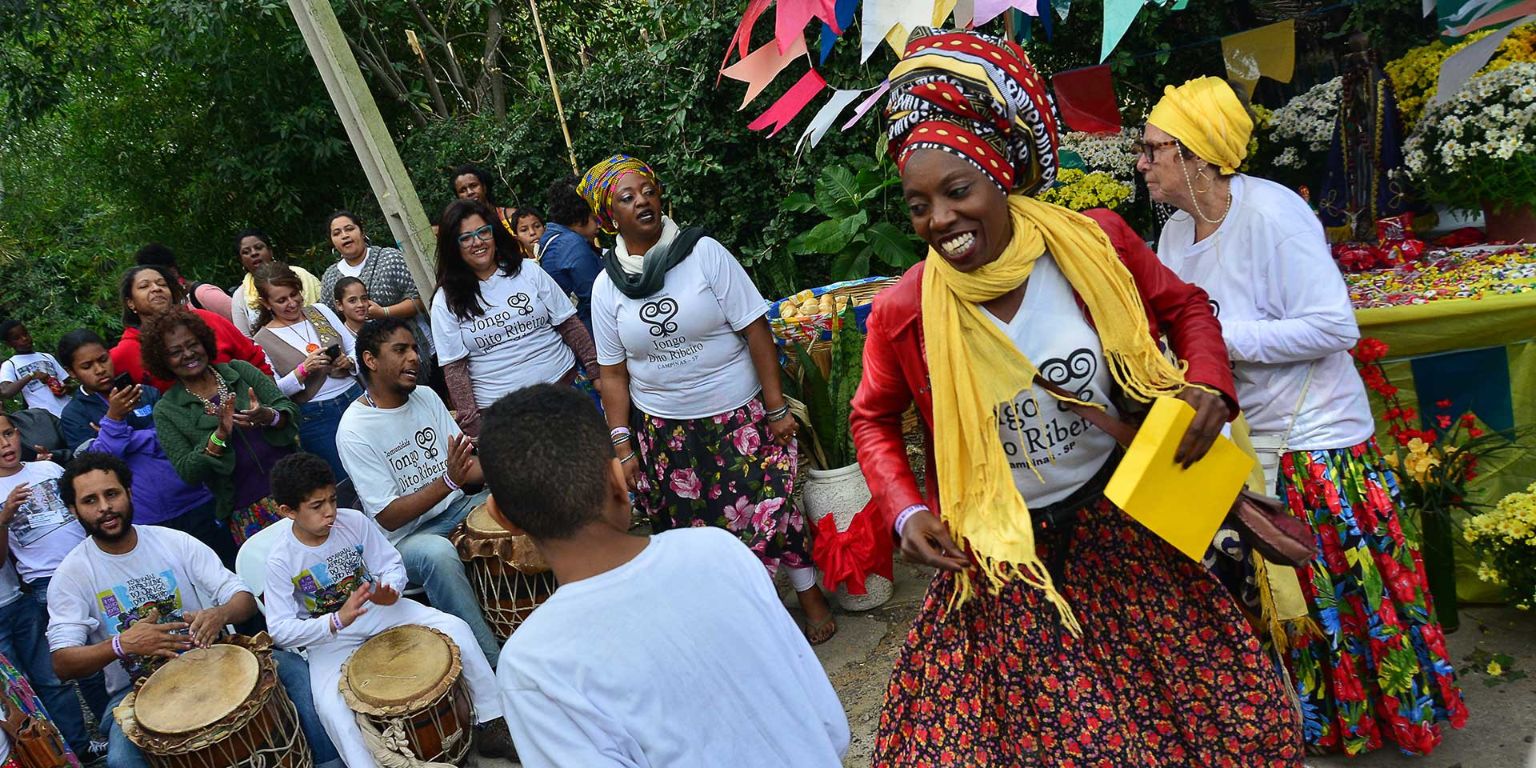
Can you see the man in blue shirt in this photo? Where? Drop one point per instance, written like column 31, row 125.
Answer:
column 566, row 250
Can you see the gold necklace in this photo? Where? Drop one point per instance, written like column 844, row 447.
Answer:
column 220, row 393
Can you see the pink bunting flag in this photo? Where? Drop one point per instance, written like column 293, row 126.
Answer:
column 743, row 35
column 761, row 66
column 987, row 10
column 789, row 105
column 858, row 112
column 792, row 16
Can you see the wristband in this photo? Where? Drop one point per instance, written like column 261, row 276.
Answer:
column 620, row 440
column 629, row 458
column 448, row 481
column 277, row 416
column 336, row 625
column 117, row 647
column 386, row 311
column 618, row 432
column 906, row 514
column 214, row 438
column 302, row 371
column 778, row 413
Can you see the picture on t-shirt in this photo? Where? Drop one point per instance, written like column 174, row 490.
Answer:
column 41, row 515
column 153, row 597
column 326, row 585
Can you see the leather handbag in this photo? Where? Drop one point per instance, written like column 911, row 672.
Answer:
column 1263, row 522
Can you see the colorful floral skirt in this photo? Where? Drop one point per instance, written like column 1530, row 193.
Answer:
column 245, row 522
column 1165, row 673
column 22, row 699
column 725, row 471
column 1381, row 669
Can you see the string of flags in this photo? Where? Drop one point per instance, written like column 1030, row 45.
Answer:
column 1085, row 97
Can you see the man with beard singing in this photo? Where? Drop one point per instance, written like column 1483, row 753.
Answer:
column 129, row 598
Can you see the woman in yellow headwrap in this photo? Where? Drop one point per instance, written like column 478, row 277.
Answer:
column 1058, row 631
column 1260, row 253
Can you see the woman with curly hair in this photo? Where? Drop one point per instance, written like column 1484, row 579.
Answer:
column 1058, row 631
column 683, row 338
column 147, row 291
column 221, row 424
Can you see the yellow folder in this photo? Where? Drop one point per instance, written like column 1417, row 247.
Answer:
column 1183, row 506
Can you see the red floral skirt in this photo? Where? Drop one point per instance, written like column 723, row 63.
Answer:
column 1166, row 672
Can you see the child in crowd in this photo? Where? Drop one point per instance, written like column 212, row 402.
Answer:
column 351, row 301
column 670, row 650
column 41, row 529
column 36, row 375
column 333, row 581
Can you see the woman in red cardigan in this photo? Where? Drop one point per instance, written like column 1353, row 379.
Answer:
column 147, row 291
column 1057, row 630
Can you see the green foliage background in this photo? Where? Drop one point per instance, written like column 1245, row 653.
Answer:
column 183, row 121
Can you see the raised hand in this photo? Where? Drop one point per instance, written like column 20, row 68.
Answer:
column 13, row 501
column 384, row 594
column 257, row 416
column 356, row 605
column 463, row 464
column 226, row 419
column 121, row 402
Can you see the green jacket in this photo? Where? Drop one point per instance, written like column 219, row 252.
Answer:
column 184, row 426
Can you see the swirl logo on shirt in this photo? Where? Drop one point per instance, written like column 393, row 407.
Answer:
column 521, row 303
column 1215, row 307
column 1073, row 373
column 426, row 439
column 658, row 315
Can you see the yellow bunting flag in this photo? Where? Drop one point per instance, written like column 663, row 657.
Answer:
column 1268, row 51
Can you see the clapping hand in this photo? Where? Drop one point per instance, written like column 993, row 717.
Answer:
column 356, row 605
column 383, row 594
column 257, row 416
column 463, row 464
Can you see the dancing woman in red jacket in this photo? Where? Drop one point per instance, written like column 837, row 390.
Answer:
column 1058, row 632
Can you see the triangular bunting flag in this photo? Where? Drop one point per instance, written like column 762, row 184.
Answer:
column 822, row 122
column 1086, row 99
column 987, row 10
column 1118, row 15
column 830, row 34
column 864, row 105
column 789, row 105
column 792, row 16
column 941, row 11
column 965, row 14
column 741, row 39
column 1269, row 51
column 761, row 66
column 1460, row 66
column 881, row 16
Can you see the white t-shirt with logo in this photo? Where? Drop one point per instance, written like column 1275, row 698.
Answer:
column 394, row 452
column 1052, row 450
column 1284, row 309
column 514, row 344
column 36, row 393
column 686, row 357
column 95, row 595
column 305, row 584
column 43, row 530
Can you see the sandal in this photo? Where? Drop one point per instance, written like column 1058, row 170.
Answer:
column 820, row 633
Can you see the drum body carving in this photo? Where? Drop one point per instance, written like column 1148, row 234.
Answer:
column 405, row 686
column 217, row 707
column 508, row 573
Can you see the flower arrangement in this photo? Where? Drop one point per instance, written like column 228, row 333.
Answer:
column 1080, row 191
column 1111, row 153
column 1480, row 147
column 1303, row 128
column 1416, row 76
column 1506, row 538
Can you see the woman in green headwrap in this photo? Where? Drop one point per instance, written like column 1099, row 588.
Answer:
column 683, row 341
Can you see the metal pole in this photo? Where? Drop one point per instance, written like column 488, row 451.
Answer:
column 370, row 138
column 554, row 87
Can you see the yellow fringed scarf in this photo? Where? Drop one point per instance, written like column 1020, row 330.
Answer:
column 975, row 369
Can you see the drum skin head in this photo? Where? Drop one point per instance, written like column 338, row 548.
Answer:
column 399, row 666
column 483, row 525
column 197, row 689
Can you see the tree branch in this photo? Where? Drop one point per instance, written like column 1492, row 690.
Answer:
column 490, row 69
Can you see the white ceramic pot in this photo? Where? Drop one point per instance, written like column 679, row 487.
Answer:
column 843, row 493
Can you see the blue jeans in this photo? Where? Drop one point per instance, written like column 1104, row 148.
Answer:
column 292, row 670
column 432, row 563
column 23, row 640
column 317, row 427
column 92, row 687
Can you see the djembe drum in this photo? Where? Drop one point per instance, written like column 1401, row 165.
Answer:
column 404, row 684
column 216, row 707
column 508, row 573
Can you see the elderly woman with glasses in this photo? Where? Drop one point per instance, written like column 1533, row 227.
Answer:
column 1380, row 670
column 1057, row 631
column 682, row 336
column 498, row 321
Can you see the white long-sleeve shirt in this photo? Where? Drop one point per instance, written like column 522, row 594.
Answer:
column 1283, row 308
column 305, row 584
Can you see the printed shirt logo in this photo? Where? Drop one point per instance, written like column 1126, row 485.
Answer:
column 41, row 515
column 416, row 460
column 152, row 597
column 1032, row 438
column 521, row 303
column 326, row 586
column 426, row 440
column 658, row 315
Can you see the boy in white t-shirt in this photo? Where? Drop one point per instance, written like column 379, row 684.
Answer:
column 39, row 530
column 36, row 375
column 672, row 651
column 333, row 581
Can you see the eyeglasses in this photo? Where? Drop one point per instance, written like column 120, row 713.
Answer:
column 1148, row 149
column 482, row 234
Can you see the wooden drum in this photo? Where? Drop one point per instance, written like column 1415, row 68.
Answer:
column 405, row 687
column 507, row 571
column 216, row 707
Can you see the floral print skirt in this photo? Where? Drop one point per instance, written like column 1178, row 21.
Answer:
column 1380, row 670
column 725, row 471
column 1165, row 673
column 247, row 521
